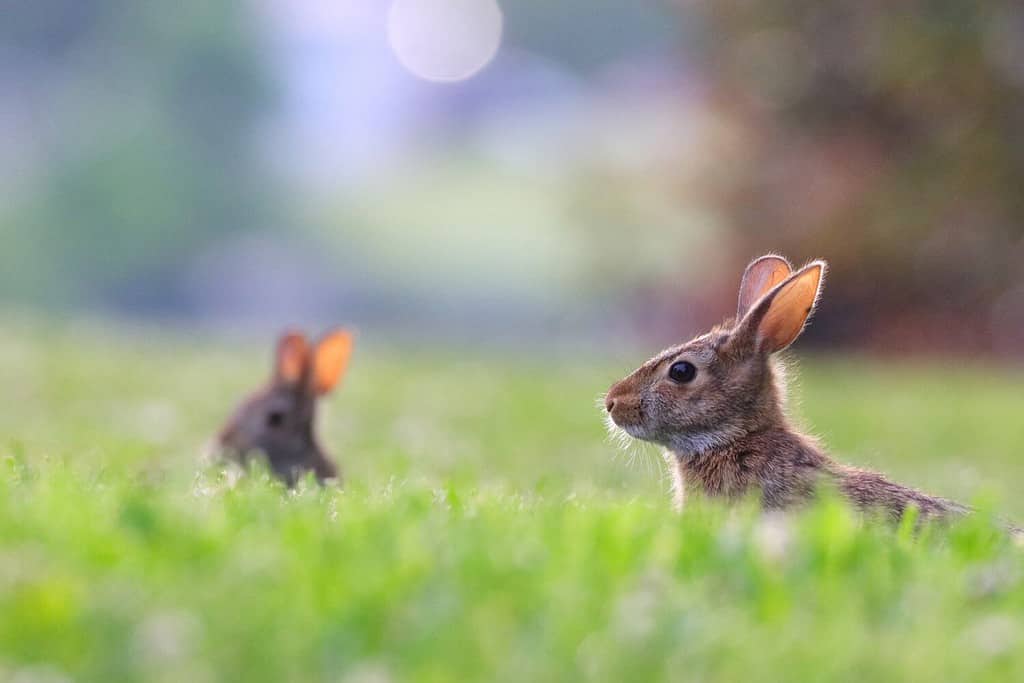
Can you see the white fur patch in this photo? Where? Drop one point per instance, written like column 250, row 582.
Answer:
column 692, row 444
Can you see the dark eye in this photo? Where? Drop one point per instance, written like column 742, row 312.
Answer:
column 275, row 419
column 682, row 372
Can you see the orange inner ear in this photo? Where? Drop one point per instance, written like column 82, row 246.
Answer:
column 332, row 356
column 292, row 358
column 790, row 309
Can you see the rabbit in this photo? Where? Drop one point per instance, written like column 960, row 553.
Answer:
column 279, row 420
column 716, row 404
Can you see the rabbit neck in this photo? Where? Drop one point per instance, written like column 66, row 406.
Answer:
column 693, row 444
column 783, row 465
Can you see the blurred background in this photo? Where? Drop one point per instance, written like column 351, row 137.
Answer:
column 516, row 172
column 514, row 202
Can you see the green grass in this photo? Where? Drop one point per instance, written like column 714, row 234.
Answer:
column 488, row 531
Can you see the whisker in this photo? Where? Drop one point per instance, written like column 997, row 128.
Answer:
column 635, row 452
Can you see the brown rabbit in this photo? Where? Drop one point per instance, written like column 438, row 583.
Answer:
column 716, row 403
column 278, row 421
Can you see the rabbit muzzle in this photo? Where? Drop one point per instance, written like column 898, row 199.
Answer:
column 625, row 409
column 227, row 439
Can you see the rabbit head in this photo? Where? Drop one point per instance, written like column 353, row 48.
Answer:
column 717, row 388
column 278, row 420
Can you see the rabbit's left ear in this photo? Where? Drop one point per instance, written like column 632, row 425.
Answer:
column 291, row 358
column 778, row 318
column 330, row 360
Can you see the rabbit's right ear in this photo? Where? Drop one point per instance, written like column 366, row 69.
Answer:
column 330, row 359
column 759, row 278
column 291, row 362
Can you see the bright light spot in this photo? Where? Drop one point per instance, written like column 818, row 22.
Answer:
column 445, row 40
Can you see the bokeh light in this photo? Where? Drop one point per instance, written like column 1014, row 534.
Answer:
column 445, row 40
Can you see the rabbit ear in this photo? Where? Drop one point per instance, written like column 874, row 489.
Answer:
column 330, row 360
column 292, row 358
column 779, row 317
column 759, row 278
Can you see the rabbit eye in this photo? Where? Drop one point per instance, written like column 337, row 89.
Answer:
column 275, row 419
column 682, row 372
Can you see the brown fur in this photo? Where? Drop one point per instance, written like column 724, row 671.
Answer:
column 278, row 422
column 726, row 432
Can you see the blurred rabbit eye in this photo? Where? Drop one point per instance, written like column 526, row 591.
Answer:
column 682, row 372
column 275, row 419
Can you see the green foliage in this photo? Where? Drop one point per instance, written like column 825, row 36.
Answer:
column 488, row 532
column 145, row 155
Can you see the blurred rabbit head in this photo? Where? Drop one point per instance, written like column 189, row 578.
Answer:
column 278, row 421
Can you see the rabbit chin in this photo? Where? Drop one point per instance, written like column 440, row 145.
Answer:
column 690, row 444
column 222, row 453
column 686, row 444
column 636, row 431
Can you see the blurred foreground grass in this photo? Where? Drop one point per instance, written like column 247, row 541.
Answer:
column 488, row 530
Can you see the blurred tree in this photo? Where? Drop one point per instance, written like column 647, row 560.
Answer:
column 140, row 118
column 589, row 35
column 886, row 137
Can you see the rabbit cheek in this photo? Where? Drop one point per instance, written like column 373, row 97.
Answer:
column 677, row 407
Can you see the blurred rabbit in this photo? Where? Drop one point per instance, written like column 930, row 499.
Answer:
column 279, row 420
column 716, row 403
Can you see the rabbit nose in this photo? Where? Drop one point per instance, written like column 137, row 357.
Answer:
column 226, row 436
column 615, row 395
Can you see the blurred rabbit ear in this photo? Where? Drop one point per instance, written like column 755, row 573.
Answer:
column 292, row 358
column 778, row 318
column 330, row 360
column 759, row 278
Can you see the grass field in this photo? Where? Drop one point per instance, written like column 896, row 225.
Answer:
column 488, row 530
